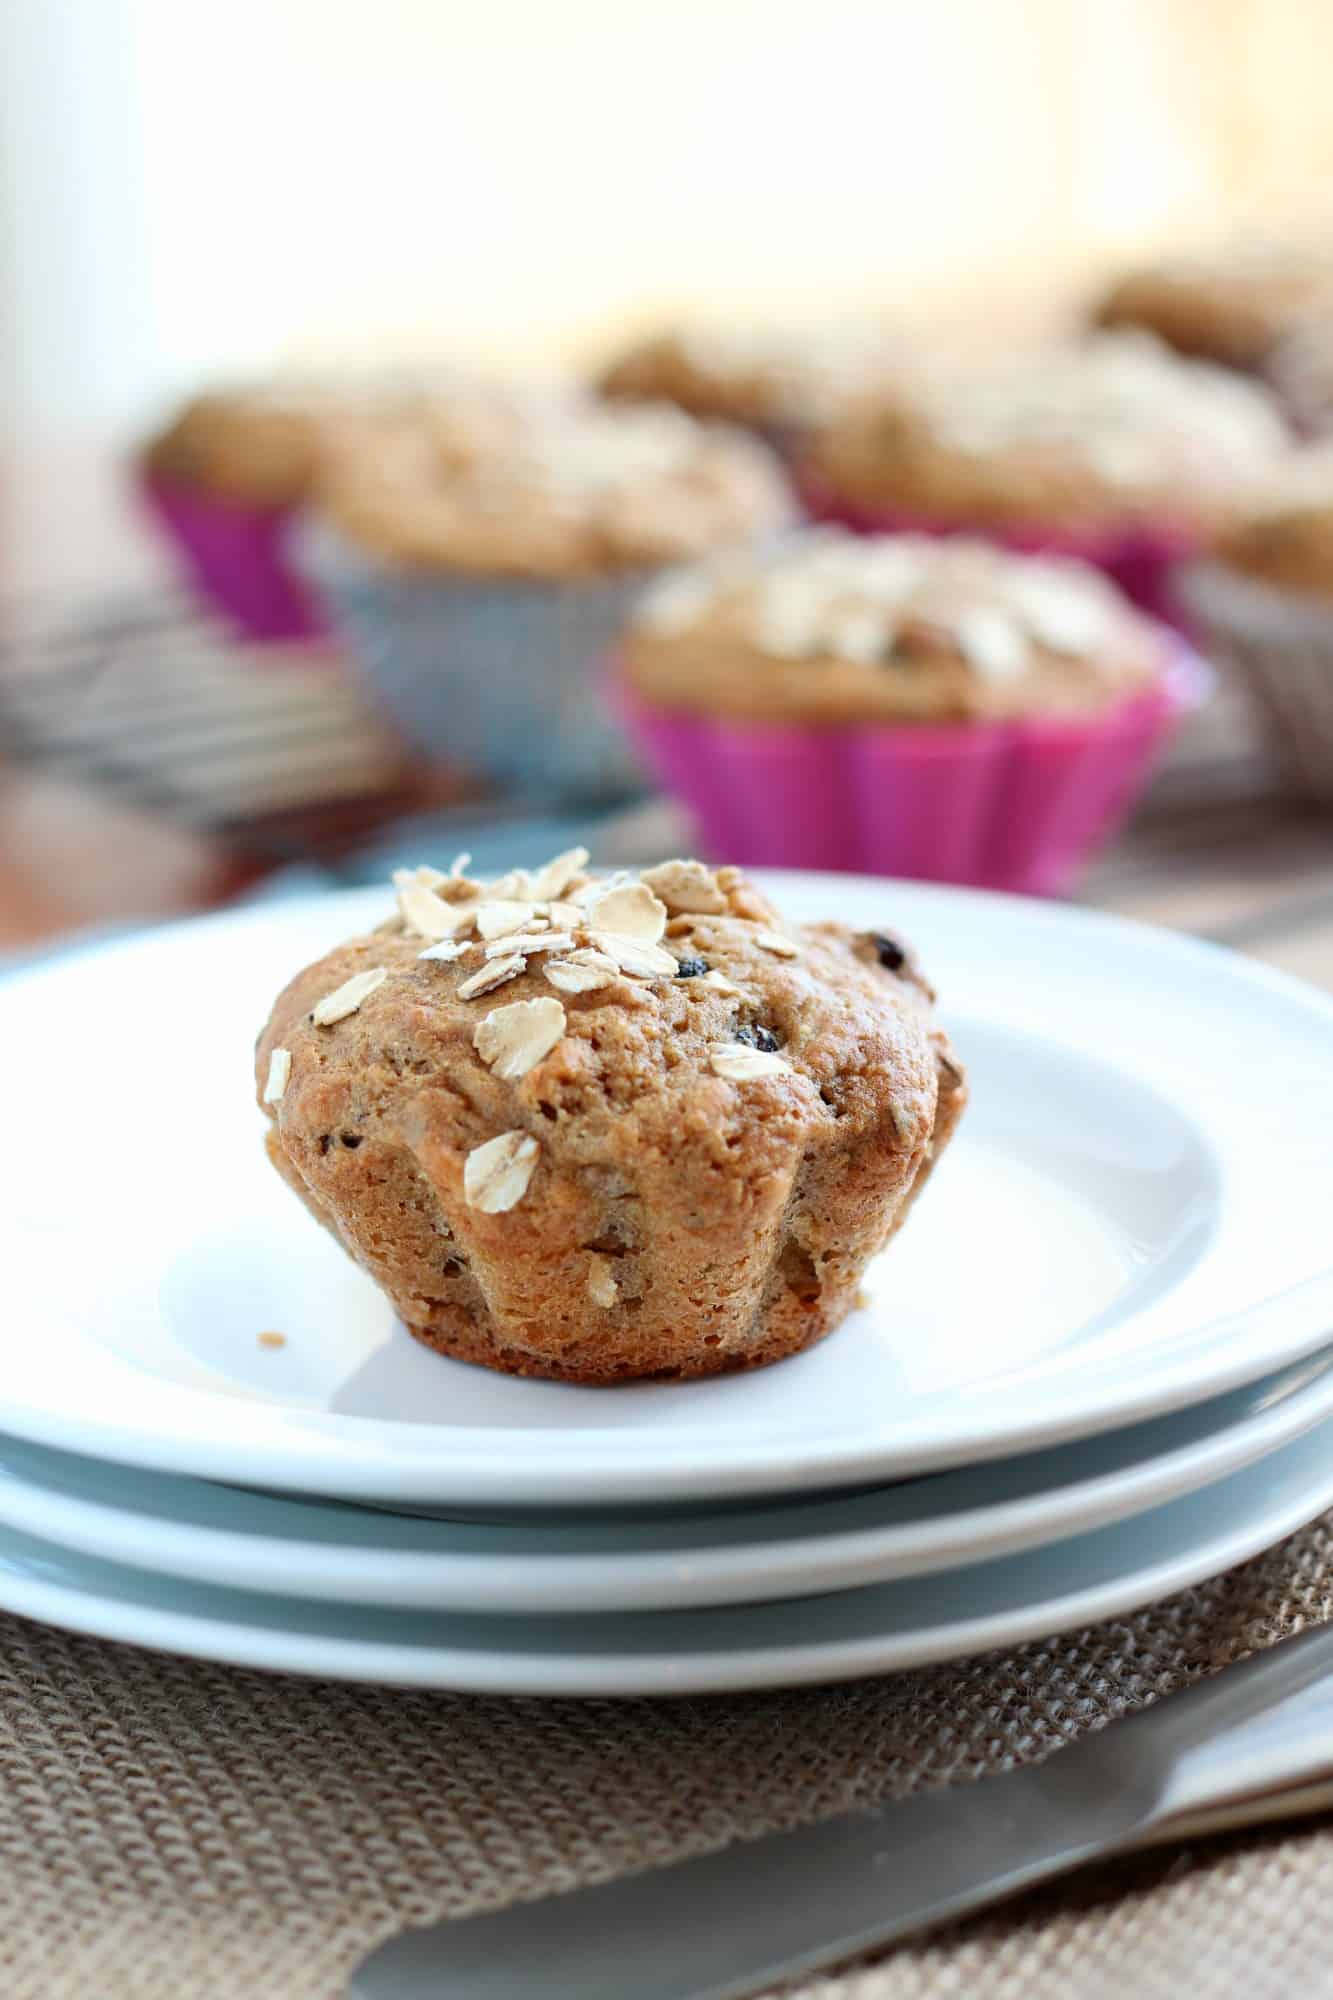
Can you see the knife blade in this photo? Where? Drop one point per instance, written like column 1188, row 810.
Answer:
column 731, row 1924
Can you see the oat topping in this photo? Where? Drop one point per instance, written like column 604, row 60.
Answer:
column 687, row 888
column 496, row 1174
column 582, row 971
column 514, row 1039
column 632, row 911
column 640, row 960
column 446, row 950
column 490, row 976
column 516, row 886
column 345, row 999
column 780, row 946
column 719, row 983
column 738, row 1064
column 602, row 1287
column 825, row 594
column 426, row 913
column 551, row 882
column 530, row 941
column 495, row 920
column 279, row 1071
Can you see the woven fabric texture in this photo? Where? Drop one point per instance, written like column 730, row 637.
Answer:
column 169, row 1829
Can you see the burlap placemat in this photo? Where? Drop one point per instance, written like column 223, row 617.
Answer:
column 169, row 1829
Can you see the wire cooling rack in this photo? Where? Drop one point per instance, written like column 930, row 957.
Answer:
column 272, row 749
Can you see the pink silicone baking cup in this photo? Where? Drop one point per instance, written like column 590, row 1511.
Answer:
column 1142, row 561
column 1019, row 805
column 236, row 559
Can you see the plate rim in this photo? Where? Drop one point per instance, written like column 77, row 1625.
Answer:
column 696, row 1576
column 195, row 1635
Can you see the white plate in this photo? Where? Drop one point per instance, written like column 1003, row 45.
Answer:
column 626, row 1562
column 841, row 1636
column 1134, row 1216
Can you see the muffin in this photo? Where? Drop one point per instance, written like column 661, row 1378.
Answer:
column 902, row 704
column 1117, row 451
column 480, row 558
column 1300, row 369
column 225, row 478
column 778, row 382
column 600, row 1129
column 1264, row 597
column 1231, row 306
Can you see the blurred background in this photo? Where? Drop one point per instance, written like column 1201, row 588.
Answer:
column 193, row 197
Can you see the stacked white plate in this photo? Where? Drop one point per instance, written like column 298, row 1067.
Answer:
column 1096, row 1367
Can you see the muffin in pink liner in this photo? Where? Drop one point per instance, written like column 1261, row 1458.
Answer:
column 1265, row 600
column 900, row 705
column 224, row 479
column 236, row 558
column 1117, row 452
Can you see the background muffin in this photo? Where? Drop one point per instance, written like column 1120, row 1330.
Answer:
column 1231, row 306
column 481, row 557
column 1265, row 601
column 225, row 478
column 901, row 704
column 775, row 381
column 1300, row 368
column 599, row 1130
column 1117, row 450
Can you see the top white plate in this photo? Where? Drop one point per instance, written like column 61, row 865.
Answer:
column 1134, row 1216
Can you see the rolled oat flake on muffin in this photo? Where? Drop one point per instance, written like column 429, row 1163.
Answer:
column 428, row 915
column 513, row 1039
column 641, row 960
column 633, row 912
column 496, row 1175
column 279, row 1074
column 348, row 997
column 739, row 1064
column 581, row 972
column 495, row 973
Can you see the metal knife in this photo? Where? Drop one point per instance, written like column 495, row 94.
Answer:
column 1254, row 1742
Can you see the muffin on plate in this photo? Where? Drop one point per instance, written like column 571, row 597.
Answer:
column 903, row 704
column 1264, row 597
column 225, row 478
column 778, row 381
column 480, row 557
column 1231, row 305
column 1117, row 451
column 598, row 1129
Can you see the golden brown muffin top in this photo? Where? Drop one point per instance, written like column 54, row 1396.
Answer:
column 553, row 1005
column 1108, row 434
column 259, row 444
column 831, row 626
column 543, row 485
column 1285, row 536
column 1228, row 305
column 766, row 376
